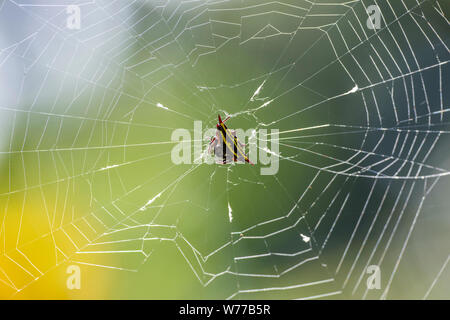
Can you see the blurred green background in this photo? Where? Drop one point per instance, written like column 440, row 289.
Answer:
column 85, row 150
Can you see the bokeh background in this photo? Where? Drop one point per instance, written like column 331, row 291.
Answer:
column 86, row 118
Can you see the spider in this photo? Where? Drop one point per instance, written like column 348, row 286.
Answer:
column 225, row 145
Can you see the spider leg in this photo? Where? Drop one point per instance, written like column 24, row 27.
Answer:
column 212, row 143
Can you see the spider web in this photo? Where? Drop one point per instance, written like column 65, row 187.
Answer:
column 87, row 117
